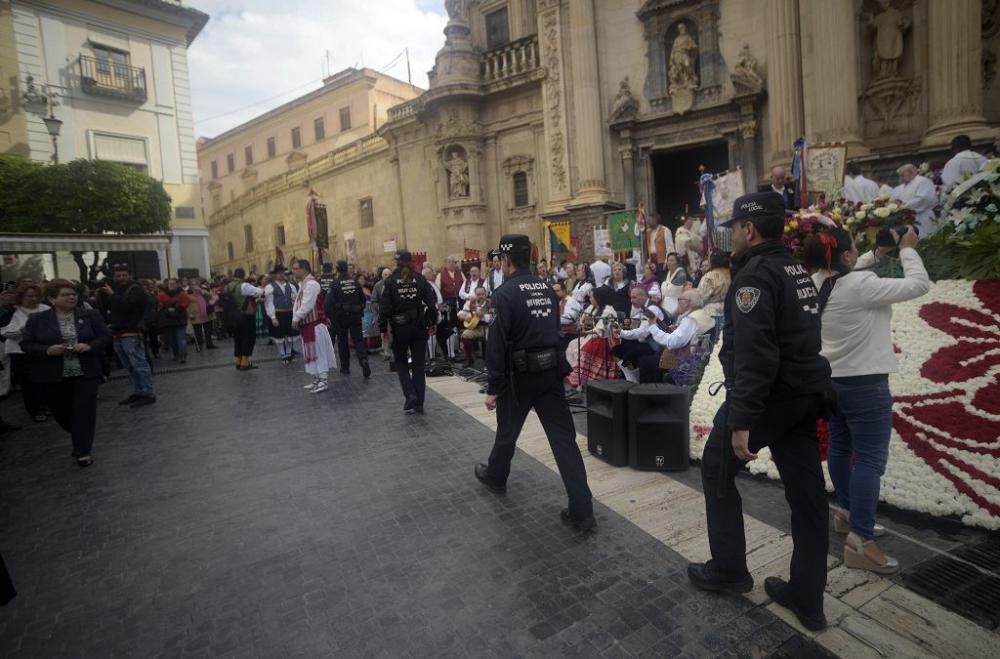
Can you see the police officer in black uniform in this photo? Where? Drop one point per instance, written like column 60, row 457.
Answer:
column 409, row 305
column 344, row 306
column 775, row 380
column 526, row 370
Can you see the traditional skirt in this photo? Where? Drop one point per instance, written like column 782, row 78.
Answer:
column 284, row 328
column 592, row 361
column 261, row 323
column 317, row 349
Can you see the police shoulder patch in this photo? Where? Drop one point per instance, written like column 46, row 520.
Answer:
column 746, row 298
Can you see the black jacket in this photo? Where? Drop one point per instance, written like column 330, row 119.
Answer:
column 344, row 298
column 42, row 331
column 771, row 336
column 403, row 303
column 127, row 309
column 526, row 317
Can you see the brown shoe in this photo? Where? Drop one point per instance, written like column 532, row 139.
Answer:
column 865, row 555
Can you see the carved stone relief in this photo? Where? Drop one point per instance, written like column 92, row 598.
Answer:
column 891, row 91
column 745, row 75
column 625, row 105
column 551, row 45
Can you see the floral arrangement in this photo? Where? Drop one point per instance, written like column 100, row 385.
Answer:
column 967, row 244
column 874, row 215
column 944, row 456
column 804, row 223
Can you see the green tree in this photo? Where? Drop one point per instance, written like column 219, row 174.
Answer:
column 83, row 196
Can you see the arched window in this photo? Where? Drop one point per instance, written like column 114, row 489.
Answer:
column 521, row 190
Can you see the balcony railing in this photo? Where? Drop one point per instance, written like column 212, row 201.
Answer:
column 404, row 110
column 510, row 60
column 102, row 77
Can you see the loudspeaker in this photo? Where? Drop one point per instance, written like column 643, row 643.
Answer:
column 658, row 430
column 607, row 420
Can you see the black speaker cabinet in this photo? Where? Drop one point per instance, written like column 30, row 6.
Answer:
column 607, row 420
column 658, row 427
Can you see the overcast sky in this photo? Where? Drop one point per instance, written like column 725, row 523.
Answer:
column 257, row 54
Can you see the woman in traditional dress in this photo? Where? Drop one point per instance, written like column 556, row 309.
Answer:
column 590, row 354
column 369, row 319
column 650, row 283
column 620, row 286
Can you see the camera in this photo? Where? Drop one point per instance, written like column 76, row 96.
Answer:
column 885, row 237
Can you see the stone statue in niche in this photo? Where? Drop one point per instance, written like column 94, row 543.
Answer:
column 683, row 53
column 458, row 176
column 745, row 75
column 889, row 24
column 625, row 105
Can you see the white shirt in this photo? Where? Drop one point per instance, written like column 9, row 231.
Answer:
column 857, row 335
column 249, row 290
column 642, row 331
column 305, row 300
column 601, row 271
column 571, row 312
column 919, row 195
column 437, row 292
column 13, row 330
column 686, row 330
column 962, row 164
column 859, row 189
column 269, row 297
column 469, row 292
column 496, row 278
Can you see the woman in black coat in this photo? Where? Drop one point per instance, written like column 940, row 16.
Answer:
column 64, row 345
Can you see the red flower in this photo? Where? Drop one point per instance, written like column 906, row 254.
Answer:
column 942, row 426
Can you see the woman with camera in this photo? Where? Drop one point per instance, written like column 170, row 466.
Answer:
column 856, row 307
column 64, row 345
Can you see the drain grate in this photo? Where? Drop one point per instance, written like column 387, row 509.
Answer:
column 960, row 586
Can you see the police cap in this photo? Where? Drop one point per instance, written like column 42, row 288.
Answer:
column 515, row 244
column 756, row 207
column 404, row 256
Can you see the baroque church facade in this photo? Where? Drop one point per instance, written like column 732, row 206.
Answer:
column 565, row 110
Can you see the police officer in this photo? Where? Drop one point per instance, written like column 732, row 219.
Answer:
column 344, row 306
column 526, row 370
column 775, row 378
column 409, row 306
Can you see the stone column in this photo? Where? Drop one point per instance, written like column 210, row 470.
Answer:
column 831, row 89
column 784, row 78
column 628, row 174
column 587, row 123
column 555, row 155
column 955, row 78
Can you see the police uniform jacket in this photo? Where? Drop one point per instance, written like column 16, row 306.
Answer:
column 403, row 303
column 771, row 338
column 344, row 298
column 526, row 317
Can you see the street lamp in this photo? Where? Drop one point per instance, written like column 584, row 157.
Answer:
column 53, row 125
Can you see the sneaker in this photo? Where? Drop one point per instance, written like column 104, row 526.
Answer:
column 320, row 387
column 131, row 399
column 312, row 384
column 143, row 401
column 779, row 592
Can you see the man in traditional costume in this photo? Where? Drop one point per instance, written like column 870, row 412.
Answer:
column 317, row 347
column 917, row 193
column 661, row 242
column 279, row 299
column 475, row 316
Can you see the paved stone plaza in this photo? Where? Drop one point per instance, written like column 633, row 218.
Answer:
column 240, row 517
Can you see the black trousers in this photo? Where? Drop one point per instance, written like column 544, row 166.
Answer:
column 31, row 392
column 788, row 428
column 410, row 339
column 349, row 326
column 544, row 393
column 7, row 592
column 73, row 402
column 630, row 351
column 649, row 369
column 203, row 334
column 244, row 336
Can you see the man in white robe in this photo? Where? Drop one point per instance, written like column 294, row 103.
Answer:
column 964, row 162
column 918, row 194
column 317, row 346
column 857, row 188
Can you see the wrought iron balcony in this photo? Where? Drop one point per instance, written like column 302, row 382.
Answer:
column 102, row 77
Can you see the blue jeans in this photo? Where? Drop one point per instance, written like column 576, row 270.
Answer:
column 132, row 354
column 177, row 339
column 859, row 450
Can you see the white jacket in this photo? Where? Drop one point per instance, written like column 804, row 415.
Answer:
column 857, row 335
column 12, row 331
